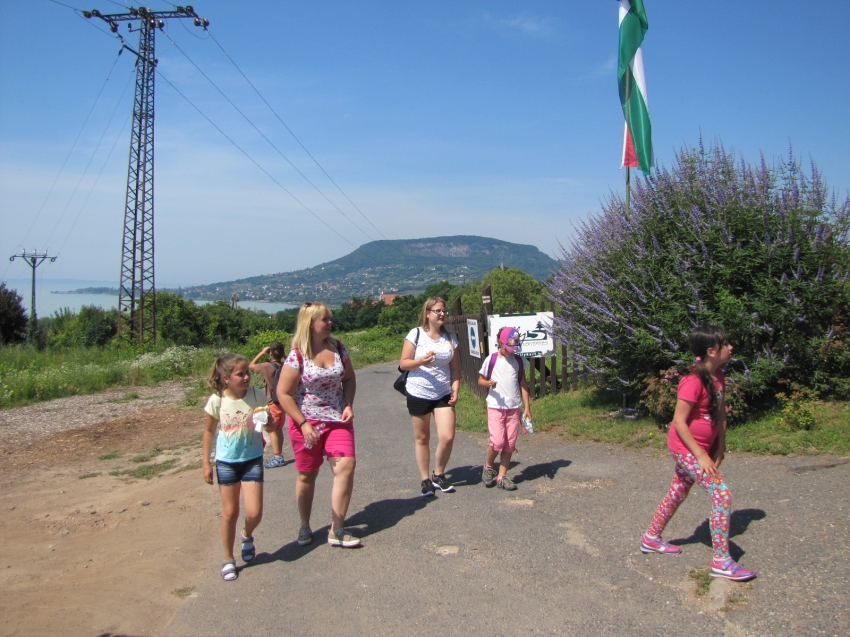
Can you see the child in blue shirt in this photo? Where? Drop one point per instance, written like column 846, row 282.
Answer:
column 233, row 409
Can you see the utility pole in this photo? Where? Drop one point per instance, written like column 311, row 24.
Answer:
column 33, row 259
column 136, row 293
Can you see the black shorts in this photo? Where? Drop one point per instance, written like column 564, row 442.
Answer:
column 423, row 406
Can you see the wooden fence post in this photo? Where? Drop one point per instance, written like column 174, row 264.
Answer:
column 457, row 310
column 487, row 302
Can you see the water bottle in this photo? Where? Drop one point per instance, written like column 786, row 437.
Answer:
column 318, row 429
column 528, row 425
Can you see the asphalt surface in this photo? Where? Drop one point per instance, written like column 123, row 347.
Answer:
column 559, row 556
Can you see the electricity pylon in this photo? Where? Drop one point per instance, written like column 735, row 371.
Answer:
column 33, row 259
column 136, row 294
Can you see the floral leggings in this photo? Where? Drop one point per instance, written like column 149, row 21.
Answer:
column 687, row 472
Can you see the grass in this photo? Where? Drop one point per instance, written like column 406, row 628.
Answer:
column 579, row 414
column 153, row 453
column 768, row 435
column 109, row 456
column 702, row 576
column 584, row 415
column 146, row 471
column 183, row 593
column 132, row 395
column 29, row 375
column 191, row 466
column 88, row 475
column 369, row 347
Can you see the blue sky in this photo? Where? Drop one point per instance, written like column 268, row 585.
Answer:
column 436, row 118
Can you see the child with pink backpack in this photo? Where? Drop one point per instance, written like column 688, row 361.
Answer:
column 503, row 373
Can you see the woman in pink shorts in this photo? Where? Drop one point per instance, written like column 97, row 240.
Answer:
column 316, row 390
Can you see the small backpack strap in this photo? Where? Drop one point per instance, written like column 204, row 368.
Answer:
column 341, row 348
column 493, row 357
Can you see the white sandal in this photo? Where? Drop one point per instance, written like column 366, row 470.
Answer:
column 228, row 571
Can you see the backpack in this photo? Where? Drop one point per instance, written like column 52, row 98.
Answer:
column 275, row 378
column 495, row 356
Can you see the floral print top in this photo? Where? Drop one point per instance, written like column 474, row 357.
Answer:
column 319, row 394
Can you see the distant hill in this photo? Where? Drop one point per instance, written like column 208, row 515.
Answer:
column 402, row 266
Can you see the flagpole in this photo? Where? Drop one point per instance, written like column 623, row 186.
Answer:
column 628, row 193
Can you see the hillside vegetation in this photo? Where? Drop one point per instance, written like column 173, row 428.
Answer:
column 399, row 267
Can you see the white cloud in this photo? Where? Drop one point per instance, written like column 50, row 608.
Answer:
column 522, row 24
column 604, row 69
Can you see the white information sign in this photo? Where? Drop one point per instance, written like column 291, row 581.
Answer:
column 474, row 338
column 535, row 331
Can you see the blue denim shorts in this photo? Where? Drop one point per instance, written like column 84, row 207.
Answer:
column 235, row 472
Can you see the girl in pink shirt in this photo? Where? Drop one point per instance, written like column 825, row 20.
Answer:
column 697, row 441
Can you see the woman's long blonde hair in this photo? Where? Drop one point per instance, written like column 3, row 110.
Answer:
column 423, row 318
column 302, row 339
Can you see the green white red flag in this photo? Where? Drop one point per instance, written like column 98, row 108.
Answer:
column 637, row 143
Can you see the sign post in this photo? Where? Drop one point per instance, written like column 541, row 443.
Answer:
column 474, row 338
column 536, row 330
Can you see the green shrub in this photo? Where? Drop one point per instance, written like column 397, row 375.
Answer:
column 761, row 250
column 256, row 342
column 798, row 409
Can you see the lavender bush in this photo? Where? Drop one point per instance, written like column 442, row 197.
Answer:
column 759, row 249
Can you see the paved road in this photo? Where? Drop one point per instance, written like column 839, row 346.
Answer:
column 559, row 556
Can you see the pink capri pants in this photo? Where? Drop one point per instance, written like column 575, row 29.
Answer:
column 504, row 427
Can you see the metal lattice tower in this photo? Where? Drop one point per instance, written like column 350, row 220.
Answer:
column 136, row 295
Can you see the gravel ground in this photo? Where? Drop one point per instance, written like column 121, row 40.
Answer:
column 63, row 414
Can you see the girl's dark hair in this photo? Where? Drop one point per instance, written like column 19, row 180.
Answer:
column 222, row 367
column 276, row 350
column 700, row 341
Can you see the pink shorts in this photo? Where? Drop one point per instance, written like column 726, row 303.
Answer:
column 277, row 415
column 504, row 427
column 336, row 441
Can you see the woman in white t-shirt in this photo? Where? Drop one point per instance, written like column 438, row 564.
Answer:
column 433, row 383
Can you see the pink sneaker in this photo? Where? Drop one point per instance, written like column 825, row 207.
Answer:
column 730, row 569
column 657, row 545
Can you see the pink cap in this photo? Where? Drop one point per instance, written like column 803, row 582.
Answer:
column 509, row 337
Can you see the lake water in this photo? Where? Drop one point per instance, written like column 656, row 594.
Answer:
column 47, row 302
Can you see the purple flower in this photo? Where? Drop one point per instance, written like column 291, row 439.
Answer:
column 830, row 335
column 796, row 254
column 799, row 273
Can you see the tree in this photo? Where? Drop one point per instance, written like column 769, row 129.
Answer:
column 761, row 250
column 13, row 316
column 511, row 290
column 179, row 321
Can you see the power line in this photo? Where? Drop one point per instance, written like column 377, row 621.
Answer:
column 263, row 135
column 253, row 161
column 33, row 259
column 91, row 159
column 232, row 61
column 71, row 150
column 96, row 180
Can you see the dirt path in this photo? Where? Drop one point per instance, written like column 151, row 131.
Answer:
column 105, row 522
